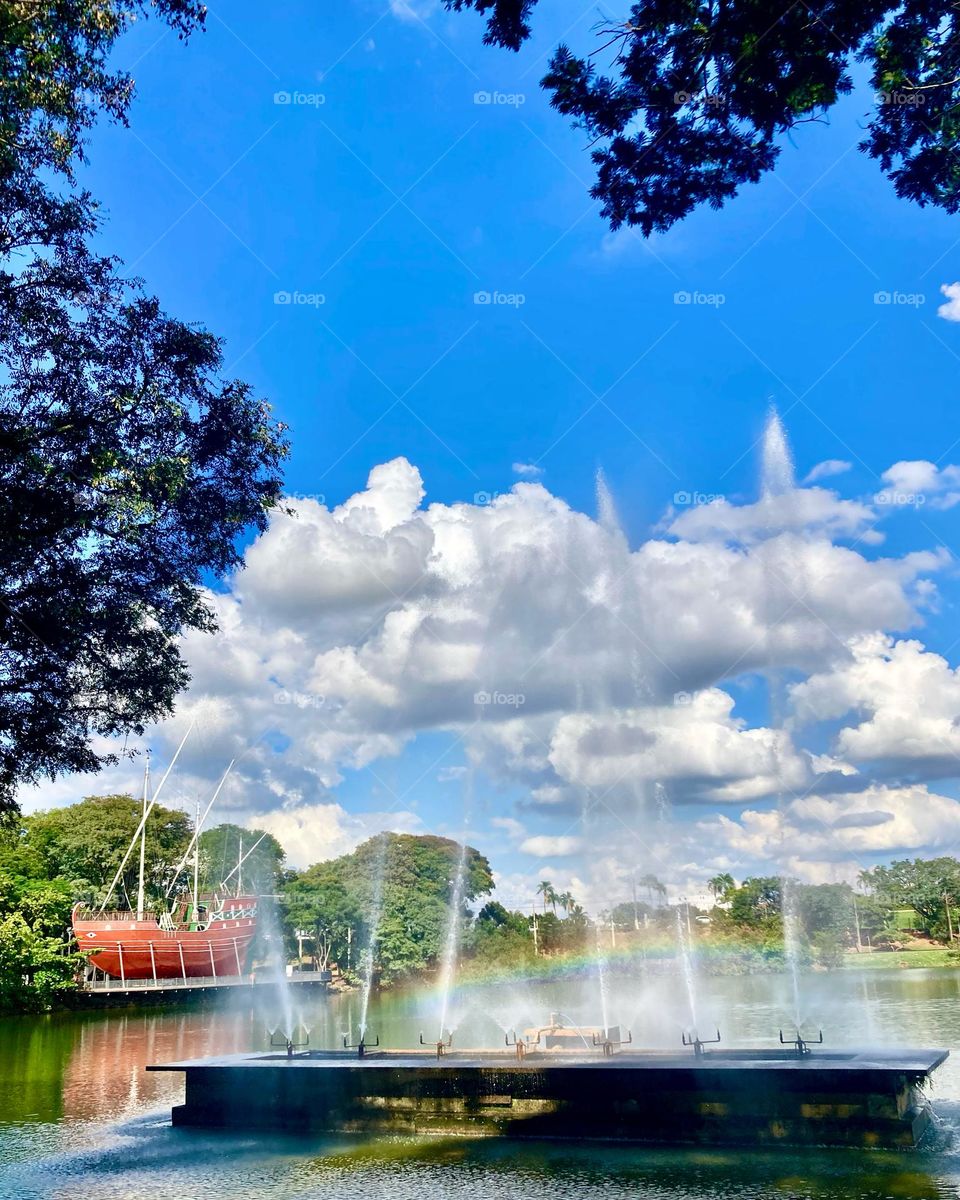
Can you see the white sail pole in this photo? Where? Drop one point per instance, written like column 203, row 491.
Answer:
column 143, row 836
column 196, row 876
column 143, row 819
column 224, row 882
column 196, row 833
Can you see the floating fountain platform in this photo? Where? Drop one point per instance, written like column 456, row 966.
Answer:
column 782, row 1096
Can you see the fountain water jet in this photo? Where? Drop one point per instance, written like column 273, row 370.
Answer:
column 280, row 1016
column 601, row 962
column 777, row 472
column 686, row 964
column 791, row 943
column 452, row 940
column 376, row 908
column 778, row 478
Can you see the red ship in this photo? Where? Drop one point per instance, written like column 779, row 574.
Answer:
column 199, row 936
column 209, row 939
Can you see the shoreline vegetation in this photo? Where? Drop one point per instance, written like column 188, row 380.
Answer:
column 395, row 892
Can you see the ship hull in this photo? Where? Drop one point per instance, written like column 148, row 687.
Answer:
column 126, row 948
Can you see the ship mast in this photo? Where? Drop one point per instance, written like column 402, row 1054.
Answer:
column 240, row 868
column 196, row 872
column 143, row 836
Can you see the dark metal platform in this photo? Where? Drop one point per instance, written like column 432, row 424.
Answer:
column 758, row 1097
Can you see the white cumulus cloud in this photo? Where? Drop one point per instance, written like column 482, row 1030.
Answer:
column 950, row 311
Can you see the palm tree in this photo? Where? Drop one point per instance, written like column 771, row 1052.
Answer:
column 546, row 889
column 654, row 887
column 566, row 901
column 722, row 885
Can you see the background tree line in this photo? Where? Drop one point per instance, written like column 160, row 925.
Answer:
column 394, row 896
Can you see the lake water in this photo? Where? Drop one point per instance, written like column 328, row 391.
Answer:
column 79, row 1117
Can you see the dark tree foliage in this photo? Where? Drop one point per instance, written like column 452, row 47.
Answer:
column 698, row 95
column 506, row 20
column 128, row 465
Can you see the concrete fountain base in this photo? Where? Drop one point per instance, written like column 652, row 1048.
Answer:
column 757, row 1098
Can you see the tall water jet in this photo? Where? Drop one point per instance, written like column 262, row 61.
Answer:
column 600, row 960
column 686, row 965
column 792, row 943
column 369, row 955
column 778, row 478
column 777, row 471
column 607, row 516
column 280, row 1015
column 452, row 940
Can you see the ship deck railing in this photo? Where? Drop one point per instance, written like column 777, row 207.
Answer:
column 179, row 983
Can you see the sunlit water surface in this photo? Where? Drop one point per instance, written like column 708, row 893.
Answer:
column 79, row 1117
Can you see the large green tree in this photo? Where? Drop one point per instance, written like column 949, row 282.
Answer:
column 393, row 893
column 925, row 885
column 757, row 901
column 35, row 968
column 84, row 844
column 696, row 97
column 128, row 465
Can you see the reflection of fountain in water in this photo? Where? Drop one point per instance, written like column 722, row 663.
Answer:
column 452, row 941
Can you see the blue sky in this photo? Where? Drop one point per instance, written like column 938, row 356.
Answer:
column 382, row 197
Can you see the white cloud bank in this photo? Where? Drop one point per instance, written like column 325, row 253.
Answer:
column 581, row 673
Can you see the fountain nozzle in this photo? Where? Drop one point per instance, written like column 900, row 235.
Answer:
column 698, row 1042
column 800, row 1043
column 439, row 1045
column 288, row 1044
column 362, row 1045
column 610, row 1039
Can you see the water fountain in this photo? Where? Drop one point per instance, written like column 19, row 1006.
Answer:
column 562, row 1080
column 778, row 479
column 451, row 944
column 368, row 958
column 686, row 965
